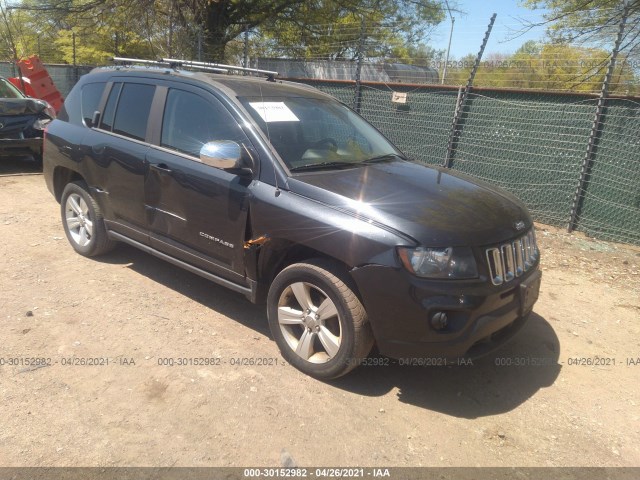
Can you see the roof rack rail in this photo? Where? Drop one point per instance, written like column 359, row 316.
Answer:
column 196, row 64
column 210, row 67
column 163, row 62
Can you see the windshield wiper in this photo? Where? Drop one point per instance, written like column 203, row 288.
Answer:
column 323, row 166
column 384, row 158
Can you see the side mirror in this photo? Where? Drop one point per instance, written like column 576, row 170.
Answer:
column 223, row 154
column 228, row 155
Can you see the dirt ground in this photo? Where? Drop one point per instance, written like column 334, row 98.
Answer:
column 527, row 405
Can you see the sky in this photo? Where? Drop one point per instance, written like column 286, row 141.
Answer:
column 469, row 29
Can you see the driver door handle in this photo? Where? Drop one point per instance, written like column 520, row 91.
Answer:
column 163, row 167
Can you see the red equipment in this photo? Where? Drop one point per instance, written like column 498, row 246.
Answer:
column 37, row 82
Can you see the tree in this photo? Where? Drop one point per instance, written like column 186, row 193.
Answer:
column 171, row 26
column 335, row 29
column 101, row 30
column 548, row 66
column 590, row 23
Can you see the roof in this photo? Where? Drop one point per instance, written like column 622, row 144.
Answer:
column 233, row 85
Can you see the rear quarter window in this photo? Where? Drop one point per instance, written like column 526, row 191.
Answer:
column 81, row 102
column 91, row 95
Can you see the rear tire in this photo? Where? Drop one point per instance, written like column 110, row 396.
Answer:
column 83, row 221
column 317, row 321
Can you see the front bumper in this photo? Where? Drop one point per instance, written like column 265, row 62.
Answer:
column 10, row 147
column 481, row 316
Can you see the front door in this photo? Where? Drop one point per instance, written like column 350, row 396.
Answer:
column 196, row 212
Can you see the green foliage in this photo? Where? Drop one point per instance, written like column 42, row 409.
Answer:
column 317, row 28
column 549, row 67
column 333, row 29
column 592, row 23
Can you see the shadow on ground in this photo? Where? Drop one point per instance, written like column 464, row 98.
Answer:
column 495, row 384
column 19, row 166
column 222, row 300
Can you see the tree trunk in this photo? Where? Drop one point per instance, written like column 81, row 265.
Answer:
column 217, row 26
column 214, row 47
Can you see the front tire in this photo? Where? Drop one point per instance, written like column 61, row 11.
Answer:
column 317, row 321
column 83, row 222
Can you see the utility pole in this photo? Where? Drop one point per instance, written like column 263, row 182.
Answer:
column 245, row 53
column 170, row 43
column 446, row 61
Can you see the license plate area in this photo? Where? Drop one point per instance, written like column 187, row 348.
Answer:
column 529, row 292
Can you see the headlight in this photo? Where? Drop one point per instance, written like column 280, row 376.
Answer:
column 439, row 262
column 41, row 123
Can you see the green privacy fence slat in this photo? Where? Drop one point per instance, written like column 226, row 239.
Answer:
column 611, row 205
column 530, row 143
column 420, row 128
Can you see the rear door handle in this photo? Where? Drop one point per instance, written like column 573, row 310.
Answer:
column 163, row 167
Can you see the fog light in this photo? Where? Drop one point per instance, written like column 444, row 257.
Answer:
column 439, row 320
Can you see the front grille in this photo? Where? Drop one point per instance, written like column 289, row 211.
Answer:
column 512, row 259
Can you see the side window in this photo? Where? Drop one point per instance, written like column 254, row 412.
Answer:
column 127, row 109
column 190, row 121
column 110, row 108
column 91, row 95
column 133, row 109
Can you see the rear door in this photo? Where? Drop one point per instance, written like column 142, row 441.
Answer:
column 118, row 148
column 196, row 212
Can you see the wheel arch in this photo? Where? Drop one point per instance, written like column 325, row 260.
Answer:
column 277, row 254
column 61, row 177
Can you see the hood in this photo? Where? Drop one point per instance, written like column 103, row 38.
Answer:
column 21, row 106
column 434, row 206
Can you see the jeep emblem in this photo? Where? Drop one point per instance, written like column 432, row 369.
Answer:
column 519, row 225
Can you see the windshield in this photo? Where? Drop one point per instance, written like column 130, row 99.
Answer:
column 7, row 90
column 313, row 132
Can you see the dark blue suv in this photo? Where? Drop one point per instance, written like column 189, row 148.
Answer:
column 282, row 193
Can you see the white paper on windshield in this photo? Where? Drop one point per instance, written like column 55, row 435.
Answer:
column 274, row 112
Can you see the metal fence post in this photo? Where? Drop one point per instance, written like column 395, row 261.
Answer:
column 75, row 65
column 592, row 143
column 456, row 126
column 357, row 97
column 245, row 53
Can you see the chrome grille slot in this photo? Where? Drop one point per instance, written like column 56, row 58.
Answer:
column 526, row 251
column 512, row 259
column 508, row 262
column 495, row 265
column 517, row 252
